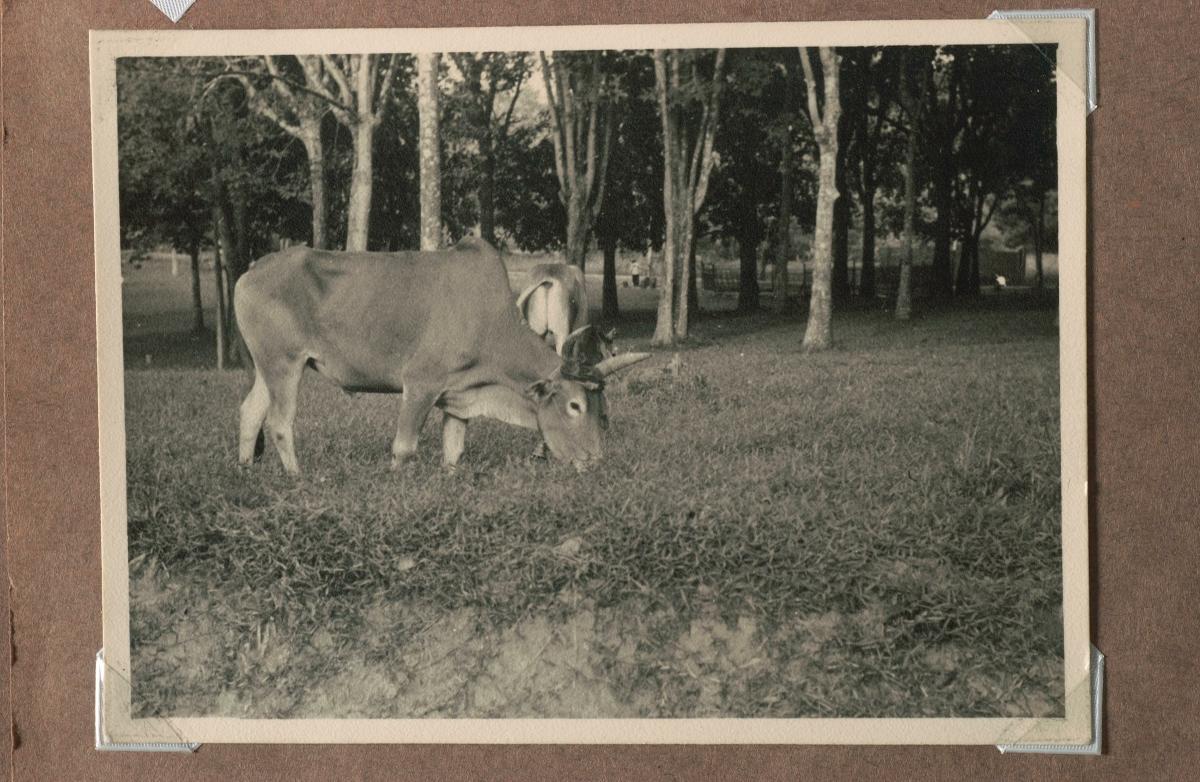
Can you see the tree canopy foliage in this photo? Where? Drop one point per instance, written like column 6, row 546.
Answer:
column 563, row 151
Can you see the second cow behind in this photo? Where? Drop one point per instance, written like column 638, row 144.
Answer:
column 555, row 306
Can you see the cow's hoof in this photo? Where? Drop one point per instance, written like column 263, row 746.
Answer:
column 399, row 461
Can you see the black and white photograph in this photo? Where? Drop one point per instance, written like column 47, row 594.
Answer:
column 682, row 383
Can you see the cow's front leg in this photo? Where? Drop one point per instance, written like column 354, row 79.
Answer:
column 414, row 408
column 454, row 433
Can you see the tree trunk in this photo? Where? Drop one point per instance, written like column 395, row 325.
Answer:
column 311, row 137
column 220, row 262
column 487, row 190
column 904, row 288
column 683, row 276
column 840, row 272
column 841, row 220
column 866, row 274
column 222, row 306
column 962, row 268
column 581, row 132
column 783, row 241
column 234, row 252
column 577, row 230
column 358, row 217
column 429, row 113
column 609, row 308
column 197, row 303
column 748, row 282
column 967, row 283
column 664, row 327
column 688, row 160
column 241, row 234
column 818, row 333
column 941, row 277
column 693, row 290
column 1039, row 230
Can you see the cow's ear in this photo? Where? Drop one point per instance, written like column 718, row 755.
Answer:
column 541, row 390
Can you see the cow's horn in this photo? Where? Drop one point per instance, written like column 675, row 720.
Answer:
column 614, row 364
column 574, row 335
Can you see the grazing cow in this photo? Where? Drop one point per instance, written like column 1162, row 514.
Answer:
column 555, row 302
column 438, row 328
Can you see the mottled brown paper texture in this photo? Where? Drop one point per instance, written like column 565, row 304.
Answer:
column 1140, row 428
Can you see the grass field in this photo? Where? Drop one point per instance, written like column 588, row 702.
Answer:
column 873, row 531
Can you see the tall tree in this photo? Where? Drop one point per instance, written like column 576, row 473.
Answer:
column 1003, row 141
column 689, row 106
column 840, row 240
column 490, row 88
column 981, row 156
column 824, row 119
column 943, row 113
column 162, row 166
column 631, row 215
column 532, row 216
column 744, row 187
column 875, row 84
column 783, row 226
column 358, row 89
column 190, row 144
column 428, row 107
column 581, row 129
column 282, row 91
column 914, row 106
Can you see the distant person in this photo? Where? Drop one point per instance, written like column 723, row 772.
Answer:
column 635, row 272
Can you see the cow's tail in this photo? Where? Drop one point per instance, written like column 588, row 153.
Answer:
column 523, row 299
column 245, row 359
column 243, row 352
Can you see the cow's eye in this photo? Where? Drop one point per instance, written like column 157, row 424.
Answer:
column 574, row 408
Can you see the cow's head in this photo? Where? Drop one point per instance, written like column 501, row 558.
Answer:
column 571, row 409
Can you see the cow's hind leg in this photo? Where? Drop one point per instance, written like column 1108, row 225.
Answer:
column 414, row 409
column 283, row 385
column 454, row 435
column 254, row 412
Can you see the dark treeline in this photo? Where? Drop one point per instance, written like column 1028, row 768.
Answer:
column 756, row 156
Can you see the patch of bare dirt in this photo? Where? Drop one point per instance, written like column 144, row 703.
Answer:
column 571, row 660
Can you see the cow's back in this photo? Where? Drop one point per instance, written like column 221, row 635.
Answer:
column 362, row 316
